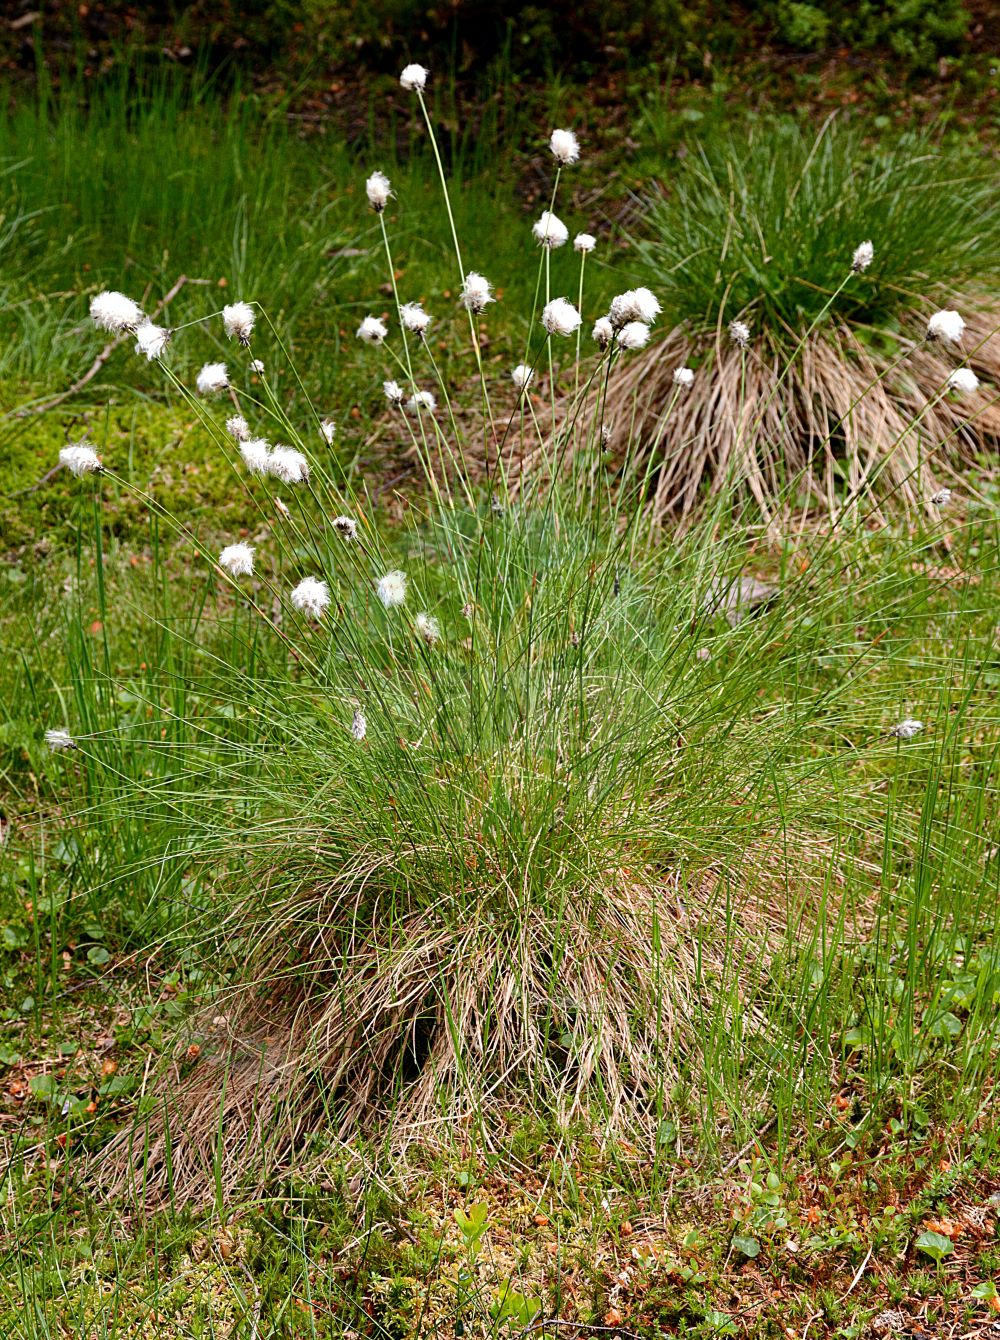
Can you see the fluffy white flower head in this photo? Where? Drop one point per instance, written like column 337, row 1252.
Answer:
column 256, row 453
column 257, row 365
column 238, row 428
column 328, row 430
column 907, row 728
column 414, row 78
column 237, row 559
column 414, row 317
column 212, row 378
column 550, row 230
column 311, row 597
column 422, row 400
column 372, row 330
column 58, row 740
column 946, row 325
column 863, row 257
column 634, row 335
column 683, row 377
column 522, row 376
column 635, row 304
column 963, row 380
column 80, row 458
column 359, row 726
column 477, row 291
column 346, row 526
column 391, row 589
column 942, row 498
column 565, row 147
column 560, row 317
column 739, row 333
column 288, row 465
column 238, row 319
column 113, row 311
column 584, row 242
column 151, row 340
column 603, row 332
column 378, row 191
column 393, row 392
column 428, row 628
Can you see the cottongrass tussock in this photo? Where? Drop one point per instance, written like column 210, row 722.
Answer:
column 288, row 465
column 863, row 256
column 256, row 454
column 414, row 78
column 683, row 377
column 963, row 380
column 328, row 431
column 414, row 318
column 422, row 400
column 522, row 376
column 947, row 326
column 238, row 428
column 907, row 728
column 427, row 628
column 584, row 243
column 59, row 741
column 346, row 526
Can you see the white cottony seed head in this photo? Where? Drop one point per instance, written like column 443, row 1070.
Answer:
column 477, row 291
column 311, row 597
column 151, row 340
column 739, row 333
column 393, row 392
column 238, row 428
column 238, row 319
column 683, row 377
column 378, row 191
column 907, row 728
column 237, row 559
column 58, row 740
column 550, row 230
column 604, row 331
column 635, row 304
column 428, row 628
column 942, row 498
column 328, row 430
column 584, row 242
column 565, row 146
column 359, row 726
column 422, row 400
column 963, row 380
column 212, row 379
column 346, row 526
column 288, row 465
column 414, row 317
column 522, row 376
column 633, row 336
column 372, row 330
column 80, row 458
column 113, row 311
column 946, row 325
column 560, row 317
column 391, row 589
column 863, row 257
column 414, row 78
column 256, row 453
column 257, row 365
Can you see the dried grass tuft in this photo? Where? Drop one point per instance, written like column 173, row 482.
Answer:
column 849, row 416
column 404, row 1029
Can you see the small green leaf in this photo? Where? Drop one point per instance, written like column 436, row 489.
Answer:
column 42, row 1086
column 749, row 1246
column 934, row 1245
column 98, row 955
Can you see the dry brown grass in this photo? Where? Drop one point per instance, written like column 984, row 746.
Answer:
column 843, row 418
column 589, row 1009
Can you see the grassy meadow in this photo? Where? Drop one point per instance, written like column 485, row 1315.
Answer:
column 632, row 967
